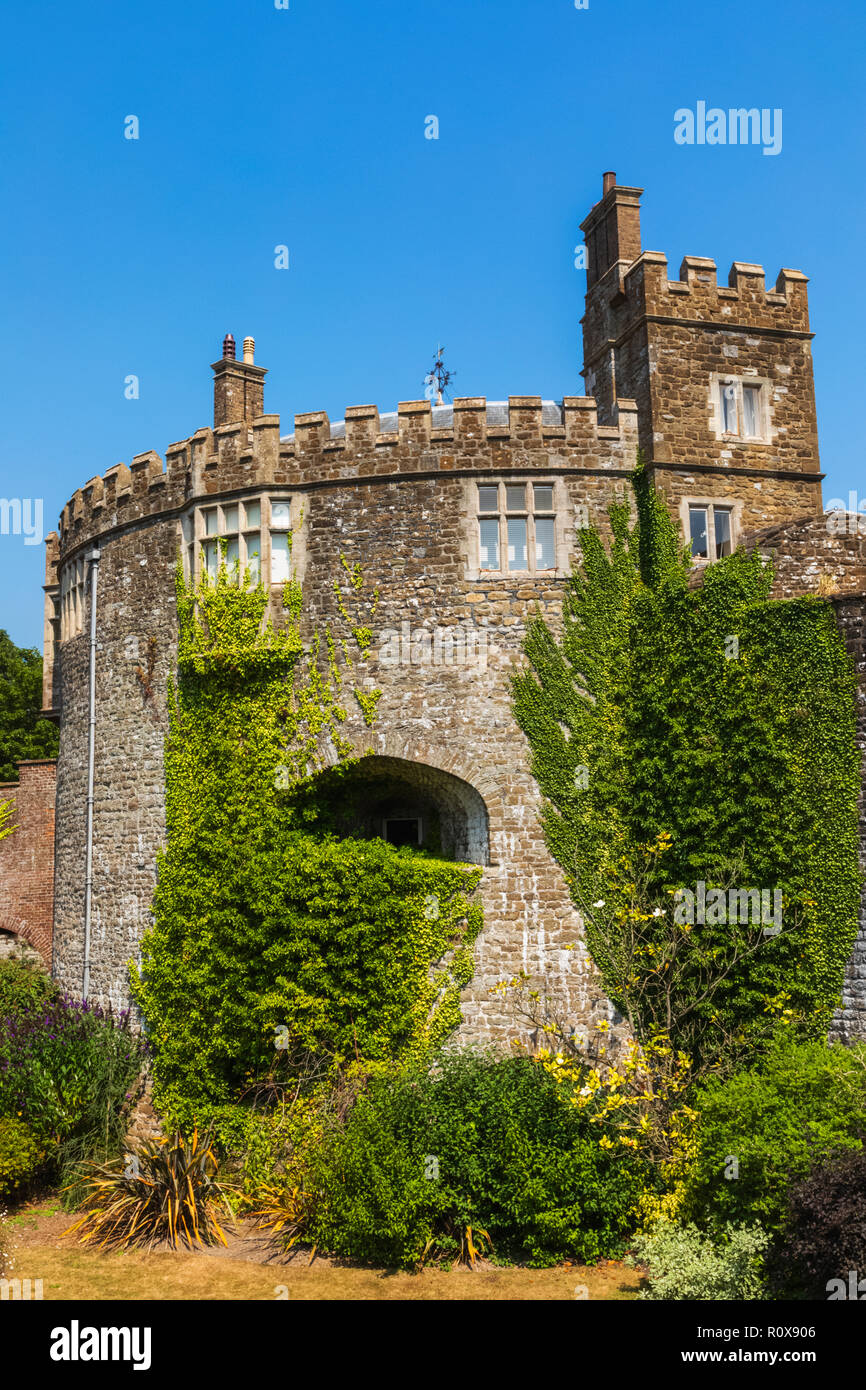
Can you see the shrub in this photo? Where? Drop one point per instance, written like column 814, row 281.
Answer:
column 333, row 941
column 802, row 1102
column 66, row 1069
column 23, row 989
column 824, row 1237
column 428, row 1161
column 683, row 1263
column 168, row 1191
column 20, row 1154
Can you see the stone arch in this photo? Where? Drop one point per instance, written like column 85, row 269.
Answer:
column 380, row 793
column 486, row 778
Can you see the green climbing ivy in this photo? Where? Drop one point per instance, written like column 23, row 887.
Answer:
column 265, row 924
column 718, row 717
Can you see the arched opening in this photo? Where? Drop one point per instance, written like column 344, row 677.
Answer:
column 404, row 803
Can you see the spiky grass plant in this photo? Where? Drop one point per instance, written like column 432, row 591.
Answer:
column 283, row 1212
column 166, row 1191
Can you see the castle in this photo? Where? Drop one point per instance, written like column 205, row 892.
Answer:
column 466, row 516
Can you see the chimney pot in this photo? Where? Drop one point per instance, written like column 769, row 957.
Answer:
column 229, row 347
column 250, row 350
column 609, row 182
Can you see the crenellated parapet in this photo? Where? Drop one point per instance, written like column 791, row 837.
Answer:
column 471, row 436
column 744, row 301
column 674, row 345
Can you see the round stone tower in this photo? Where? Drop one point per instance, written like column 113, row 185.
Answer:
column 464, row 516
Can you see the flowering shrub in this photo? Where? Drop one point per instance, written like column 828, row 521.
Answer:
column 53, row 1058
column 67, row 1068
column 636, row 1102
column 24, row 988
column 636, row 1096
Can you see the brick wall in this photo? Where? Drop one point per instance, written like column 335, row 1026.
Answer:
column 27, row 858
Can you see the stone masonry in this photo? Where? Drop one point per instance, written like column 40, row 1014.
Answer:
column 399, row 493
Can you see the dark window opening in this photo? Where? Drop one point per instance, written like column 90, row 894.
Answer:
column 403, row 832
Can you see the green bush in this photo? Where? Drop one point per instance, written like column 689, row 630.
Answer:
column 335, row 941
column 803, row 1102
column 477, row 1143
column 23, row 989
column 20, row 1154
column 683, row 1263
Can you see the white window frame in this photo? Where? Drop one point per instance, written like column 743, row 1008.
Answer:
column 194, row 534
column 722, row 380
column 709, row 505
column 503, row 513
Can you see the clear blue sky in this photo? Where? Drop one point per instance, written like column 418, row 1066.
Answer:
column 305, row 127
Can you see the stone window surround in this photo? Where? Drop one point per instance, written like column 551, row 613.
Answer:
column 472, row 538
column 729, row 504
column 192, row 528
column 743, row 377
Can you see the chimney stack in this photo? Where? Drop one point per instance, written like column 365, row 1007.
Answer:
column 238, row 387
column 612, row 230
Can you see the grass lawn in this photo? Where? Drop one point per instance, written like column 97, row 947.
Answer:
column 40, row 1251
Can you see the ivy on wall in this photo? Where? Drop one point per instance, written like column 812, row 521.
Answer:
column 264, row 926
column 718, row 717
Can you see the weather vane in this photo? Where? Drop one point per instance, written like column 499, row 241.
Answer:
column 437, row 378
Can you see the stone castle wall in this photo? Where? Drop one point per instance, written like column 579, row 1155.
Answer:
column 397, row 494
column 402, row 503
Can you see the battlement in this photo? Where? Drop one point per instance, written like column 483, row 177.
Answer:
column 625, row 282
column 671, row 344
column 645, row 289
column 473, row 435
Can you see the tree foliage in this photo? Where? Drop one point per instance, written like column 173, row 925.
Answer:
column 23, row 733
column 722, row 721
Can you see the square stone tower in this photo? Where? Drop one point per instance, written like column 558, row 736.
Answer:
column 721, row 374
